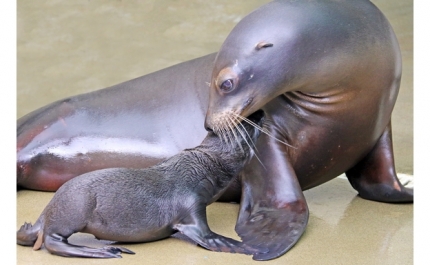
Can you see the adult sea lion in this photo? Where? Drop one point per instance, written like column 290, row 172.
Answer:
column 326, row 74
column 141, row 205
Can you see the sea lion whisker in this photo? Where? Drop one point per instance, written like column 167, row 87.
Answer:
column 226, row 130
column 263, row 130
column 223, row 138
column 237, row 122
column 242, row 118
column 232, row 127
column 253, row 147
column 249, row 137
column 221, row 134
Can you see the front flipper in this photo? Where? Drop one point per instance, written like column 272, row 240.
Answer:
column 196, row 228
column 374, row 177
column 273, row 210
column 59, row 245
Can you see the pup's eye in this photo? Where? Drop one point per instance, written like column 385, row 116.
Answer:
column 227, row 85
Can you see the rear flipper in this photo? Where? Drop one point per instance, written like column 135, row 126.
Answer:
column 197, row 229
column 374, row 177
column 58, row 245
column 28, row 234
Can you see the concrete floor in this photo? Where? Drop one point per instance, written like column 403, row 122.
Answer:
column 71, row 47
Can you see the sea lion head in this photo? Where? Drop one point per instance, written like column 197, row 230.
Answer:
column 281, row 47
column 253, row 66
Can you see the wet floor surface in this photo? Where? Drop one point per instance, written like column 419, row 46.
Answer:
column 72, row 47
column 342, row 229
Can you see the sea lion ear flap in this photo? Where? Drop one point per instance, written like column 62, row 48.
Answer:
column 261, row 45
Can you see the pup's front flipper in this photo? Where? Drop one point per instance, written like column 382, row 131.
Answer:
column 196, row 228
column 58, row 245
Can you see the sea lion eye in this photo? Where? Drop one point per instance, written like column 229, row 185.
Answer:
column 227, row 85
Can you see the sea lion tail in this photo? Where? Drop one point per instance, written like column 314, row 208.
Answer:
column 30, row 235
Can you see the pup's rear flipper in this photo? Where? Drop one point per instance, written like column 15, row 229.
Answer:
column 27, row 234
column 58, row 245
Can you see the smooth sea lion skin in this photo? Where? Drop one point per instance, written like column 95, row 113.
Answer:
column 327, row 75
column 141, row 205
column 135, row 124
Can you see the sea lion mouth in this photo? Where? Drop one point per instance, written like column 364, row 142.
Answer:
column 257, row 116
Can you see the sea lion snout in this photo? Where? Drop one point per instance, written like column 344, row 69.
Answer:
column 227, row 120
column 216, row 116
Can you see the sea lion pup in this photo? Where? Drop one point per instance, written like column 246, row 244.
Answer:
column 141, row 205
